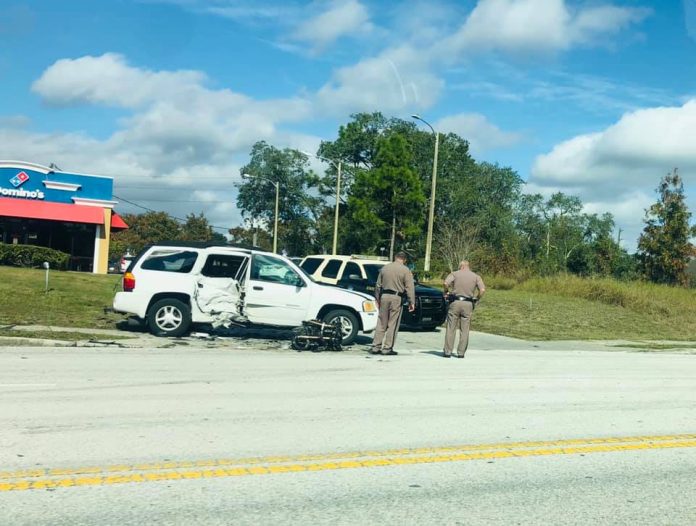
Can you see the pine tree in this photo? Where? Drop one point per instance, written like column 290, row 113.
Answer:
column 387, row 201
column 664, row 248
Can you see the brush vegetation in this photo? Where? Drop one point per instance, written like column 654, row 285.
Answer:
column 567, row 307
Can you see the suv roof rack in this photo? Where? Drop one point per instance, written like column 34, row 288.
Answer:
column 205, row 244
column 363, row 256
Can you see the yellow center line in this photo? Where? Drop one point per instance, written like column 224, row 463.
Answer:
column 135, row 473
column 240, row 471
column 169, row 465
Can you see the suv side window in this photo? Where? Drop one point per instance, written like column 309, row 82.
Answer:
column 351, row 269
column 266, row 268
column 372, row 271
column 180, row 261
column 310, row 265
column 331, row 269
column 222, row 266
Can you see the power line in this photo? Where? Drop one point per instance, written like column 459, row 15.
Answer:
column 183, row 201
column 226, row 229
column 167, row 188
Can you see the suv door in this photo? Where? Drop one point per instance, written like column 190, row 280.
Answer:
column 352, row 278
column 219, row 285
column 330, row 271
column 275, row 293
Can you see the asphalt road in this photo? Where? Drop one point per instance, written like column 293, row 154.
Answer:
column 210, row 434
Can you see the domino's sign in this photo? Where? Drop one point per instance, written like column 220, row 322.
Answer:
column 17, row 181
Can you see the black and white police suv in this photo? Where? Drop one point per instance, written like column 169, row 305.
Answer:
column 174, row 285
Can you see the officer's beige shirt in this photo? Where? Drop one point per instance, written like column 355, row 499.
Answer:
column 464, row 283
column 396, row 276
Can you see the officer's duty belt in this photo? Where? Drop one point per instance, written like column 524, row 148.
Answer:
column 390, row 291
column 463, row 298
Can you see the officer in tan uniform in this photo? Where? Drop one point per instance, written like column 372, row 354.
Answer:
column 465, row 288
column 394, row 282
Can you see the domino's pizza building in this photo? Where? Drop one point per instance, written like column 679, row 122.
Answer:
column 70, row 212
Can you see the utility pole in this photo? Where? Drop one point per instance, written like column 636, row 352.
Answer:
column 431, row 213
column 338, row 197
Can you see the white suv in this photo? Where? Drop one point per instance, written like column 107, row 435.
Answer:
column 173, row 285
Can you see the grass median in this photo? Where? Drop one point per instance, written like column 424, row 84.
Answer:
column 74, row 299
column 555, row 308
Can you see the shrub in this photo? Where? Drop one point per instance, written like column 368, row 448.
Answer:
column 637, row 296
column 32, row 256
column 500, row 282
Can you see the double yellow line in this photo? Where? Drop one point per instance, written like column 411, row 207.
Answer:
column 183, row 470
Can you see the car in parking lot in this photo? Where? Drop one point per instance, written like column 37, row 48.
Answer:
column 359, row 273
column 173, row 285
column 125, row 261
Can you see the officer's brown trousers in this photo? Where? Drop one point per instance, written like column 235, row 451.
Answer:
column 390, row 309
column 458, row 318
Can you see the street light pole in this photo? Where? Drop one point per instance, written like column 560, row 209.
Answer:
column 338, row 196
column 277, row 200
column 275, row 226
column 431, row 215
column 339, row 167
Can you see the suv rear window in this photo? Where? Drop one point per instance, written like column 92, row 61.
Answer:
column 181, row 261
column 310, row 265
column 222, row 266
column 331, row 269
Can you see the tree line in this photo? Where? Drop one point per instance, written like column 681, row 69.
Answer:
column 154, row 227
column 481, row 211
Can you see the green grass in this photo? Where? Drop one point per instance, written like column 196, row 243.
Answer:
column 573, row 308
column 540, row 316
column 74, row 299
column 557, row 308
column 656, row 300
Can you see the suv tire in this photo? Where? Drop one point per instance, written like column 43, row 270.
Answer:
column 349, row 324
column 169, row 317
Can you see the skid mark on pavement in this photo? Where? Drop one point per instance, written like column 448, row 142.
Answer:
column 183, row 470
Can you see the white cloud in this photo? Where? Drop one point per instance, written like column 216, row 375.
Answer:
column 182, row 145
column 342, row 18
column 532, row 26
column 251, row 11
column 397, row 79
column 639, row 147
column 14, row 121
column 109, row 79
column 482, row 134
column 617, row 169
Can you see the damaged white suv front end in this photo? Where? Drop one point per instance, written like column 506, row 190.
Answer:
column 171, row 286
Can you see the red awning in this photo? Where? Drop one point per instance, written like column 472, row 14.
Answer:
column 117, row 222
column 10, row 207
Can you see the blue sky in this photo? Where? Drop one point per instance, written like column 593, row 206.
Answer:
column 595, row 98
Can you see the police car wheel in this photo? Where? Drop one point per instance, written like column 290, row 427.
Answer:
column 169, row 317
column 348, row 322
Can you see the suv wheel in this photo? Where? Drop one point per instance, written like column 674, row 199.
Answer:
column 169, row 317
column 348, row 322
